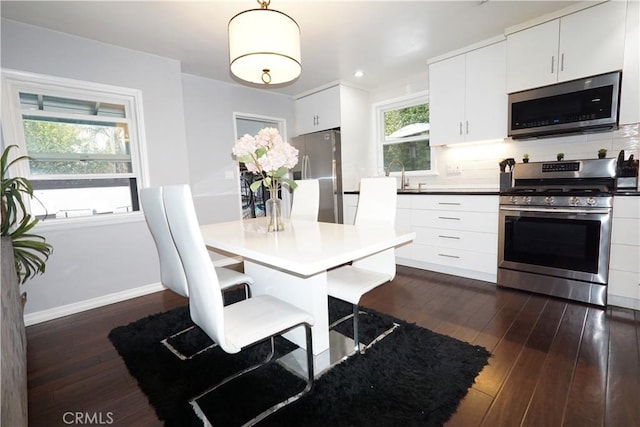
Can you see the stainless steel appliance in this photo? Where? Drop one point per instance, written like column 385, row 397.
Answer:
column 555, row 229
column 320, row 158
column 581, row 105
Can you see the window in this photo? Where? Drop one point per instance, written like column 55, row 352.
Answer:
column 83, row 144
column 403, row 129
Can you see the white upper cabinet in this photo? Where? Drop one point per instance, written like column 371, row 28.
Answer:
column 446, row 100
column 532, row 57
column 630, row 98
column 318, row 111
column 467, row 96
column 348, row 108
column 581, row 44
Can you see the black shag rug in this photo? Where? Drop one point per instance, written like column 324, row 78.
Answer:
column 411, row 377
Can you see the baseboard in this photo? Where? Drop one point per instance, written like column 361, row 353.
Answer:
column 77, row 307
column 625, row 302
column 438, row 268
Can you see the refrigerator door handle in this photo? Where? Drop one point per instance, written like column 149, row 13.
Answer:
column 305, row 167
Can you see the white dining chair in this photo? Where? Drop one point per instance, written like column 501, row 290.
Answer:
column 172, row 274
column 376, row 208
column 306, row 200
column 235, row 326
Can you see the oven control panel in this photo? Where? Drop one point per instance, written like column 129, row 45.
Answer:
column 561, row 167
column 557, row 201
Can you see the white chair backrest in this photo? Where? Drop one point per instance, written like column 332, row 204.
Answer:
column 377, row 207
column 377, row 202
column 205, row 296
column 306, row 200
column 171, row 271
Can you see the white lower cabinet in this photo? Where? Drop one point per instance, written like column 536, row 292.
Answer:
column 455, row 234
column 349, row 207
column 624, row 264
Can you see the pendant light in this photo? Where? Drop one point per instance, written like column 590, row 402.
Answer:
column 264, row 46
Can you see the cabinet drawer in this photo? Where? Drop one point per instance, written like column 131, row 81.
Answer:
column 405, row 251
column 457, row 203
column 626, row 231
column 455, row 220
column 626, row 207
column 405, row 201
column 458, row 239
column 624, row 283
column 457, row 258
column 625, row 258
column 403, row 219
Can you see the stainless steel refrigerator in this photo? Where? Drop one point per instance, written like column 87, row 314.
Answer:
column 320, row 158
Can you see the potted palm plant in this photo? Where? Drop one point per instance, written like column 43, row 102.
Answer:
column 24, row 255
column 30, row 251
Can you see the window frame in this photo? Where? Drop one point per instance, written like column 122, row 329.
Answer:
column 14, row 82
column 380, row 108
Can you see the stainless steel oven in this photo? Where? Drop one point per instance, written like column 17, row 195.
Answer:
column 555, row 229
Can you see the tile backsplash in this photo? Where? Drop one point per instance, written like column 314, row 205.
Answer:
column 476, row 165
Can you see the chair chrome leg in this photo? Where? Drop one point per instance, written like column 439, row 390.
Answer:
column 237, row 374
column 308, row 387
column 176, row 352
column 310, row 380
column 356, row 341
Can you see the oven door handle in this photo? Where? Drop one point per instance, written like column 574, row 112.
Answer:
column 542, row 210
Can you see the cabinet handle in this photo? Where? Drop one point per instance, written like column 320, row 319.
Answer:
column 449, row 256
column 449, row 203
column 449, row 237
column 562, row 62
column 460, row 128
column 449, row 217
column 467, row 127
column 553, row 58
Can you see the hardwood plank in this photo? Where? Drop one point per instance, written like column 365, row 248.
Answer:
column 547, row 404
column 585, row 403
column 72, row 365
column 466, row 415
column 509, row 348
column 623, row 379
column 510, row 404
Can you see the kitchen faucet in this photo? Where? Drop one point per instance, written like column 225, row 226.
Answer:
column 403, row 184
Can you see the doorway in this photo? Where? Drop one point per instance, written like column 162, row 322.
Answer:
column 252, row 204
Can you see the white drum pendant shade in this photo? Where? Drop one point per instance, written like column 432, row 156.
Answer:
column 264, row 47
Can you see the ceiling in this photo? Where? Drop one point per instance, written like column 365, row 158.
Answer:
column 388, row 40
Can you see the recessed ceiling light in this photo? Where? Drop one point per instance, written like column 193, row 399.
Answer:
column 358, row 74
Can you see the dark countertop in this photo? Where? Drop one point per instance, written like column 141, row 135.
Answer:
column 434, row 192
column 629, row 192
column 480, row 192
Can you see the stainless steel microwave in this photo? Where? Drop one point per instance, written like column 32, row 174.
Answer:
column 583, row 105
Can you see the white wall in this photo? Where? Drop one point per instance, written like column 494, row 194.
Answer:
column 95, row 261
column 208, row 108
column 189, row 130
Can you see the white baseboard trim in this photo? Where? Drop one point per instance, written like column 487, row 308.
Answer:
column 624, row 302
column 438, row 268
column 77, row 307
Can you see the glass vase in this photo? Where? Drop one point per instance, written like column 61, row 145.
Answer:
column 274, row 212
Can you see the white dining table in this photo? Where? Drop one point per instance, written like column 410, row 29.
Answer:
column 292, row 264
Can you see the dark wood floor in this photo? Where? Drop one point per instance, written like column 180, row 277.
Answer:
column 554, row 362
